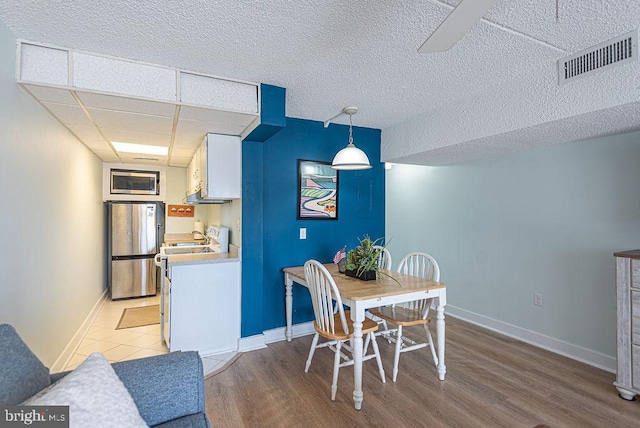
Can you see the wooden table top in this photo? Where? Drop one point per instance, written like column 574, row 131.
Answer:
column 356, row 289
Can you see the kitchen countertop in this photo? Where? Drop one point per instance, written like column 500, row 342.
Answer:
column 200, row 258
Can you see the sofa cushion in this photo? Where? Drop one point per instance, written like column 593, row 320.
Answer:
column 165, row 387
column 95, row 395
column 198, row 420
column 21, row 372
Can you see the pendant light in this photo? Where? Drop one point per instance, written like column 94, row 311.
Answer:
column 350, row 157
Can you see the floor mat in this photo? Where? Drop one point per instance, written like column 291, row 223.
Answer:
column 136, row 317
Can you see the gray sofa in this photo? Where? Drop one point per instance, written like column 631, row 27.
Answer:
column 167, row 389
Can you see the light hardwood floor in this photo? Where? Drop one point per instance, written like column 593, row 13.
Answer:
column 492, row 381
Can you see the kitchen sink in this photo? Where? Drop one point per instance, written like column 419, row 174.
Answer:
column 187, row 244
column 192, row 249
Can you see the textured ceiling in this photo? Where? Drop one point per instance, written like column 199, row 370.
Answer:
column 329, row 54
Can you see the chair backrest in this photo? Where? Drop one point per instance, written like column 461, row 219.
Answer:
column 324, row 290
column 384, row 259
column 424, row 266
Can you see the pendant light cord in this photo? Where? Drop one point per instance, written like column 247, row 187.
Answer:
column 350, row 130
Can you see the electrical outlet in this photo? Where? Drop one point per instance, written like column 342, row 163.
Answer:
column 537, row 299
column 303, row 233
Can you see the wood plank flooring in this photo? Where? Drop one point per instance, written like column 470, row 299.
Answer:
column 491, row 381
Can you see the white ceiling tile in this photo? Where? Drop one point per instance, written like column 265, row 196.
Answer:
column 135, row 137
column 180, row 161
column 111, row 102
column 143, row 159
column 68, row 114
column 180, row 152
column 50, row 94
column 209, row 115
column 124, row 77
column 110, row 119
column 218, row 93
column 190, row 133
column 85, row 131
column 106, row 155
column 97, row 145
column 44, row 64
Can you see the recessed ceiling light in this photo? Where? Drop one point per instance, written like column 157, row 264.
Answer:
column 140, row 148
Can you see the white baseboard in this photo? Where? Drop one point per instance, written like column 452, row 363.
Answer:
column 251, row 343
column 587, row 356
column 70, row 349
column 260, row 341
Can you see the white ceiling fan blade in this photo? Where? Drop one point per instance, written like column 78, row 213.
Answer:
column 456, row 25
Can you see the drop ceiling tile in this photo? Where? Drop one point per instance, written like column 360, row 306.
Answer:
column 54, row 95
column 190, row 133
column 135, row 137
column 68, row 114
column 97, row 145
column 143, row 159
column 180, row 161
column 106, row 155
column 85, row 132
column 110, row 119
column 209, row 115
column 188, row 141
column 110, row 102
column 182, row 153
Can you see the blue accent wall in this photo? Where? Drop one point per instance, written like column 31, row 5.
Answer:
column 272, row 113
column 269, row 212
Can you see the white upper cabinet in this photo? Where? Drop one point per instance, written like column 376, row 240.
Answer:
column 194, row 174
column 221, row 155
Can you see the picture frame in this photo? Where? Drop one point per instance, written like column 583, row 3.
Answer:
column 317, row 190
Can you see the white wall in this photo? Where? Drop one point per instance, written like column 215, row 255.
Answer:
column 229, row 216
column 52, row 257
column 176, row 188
column 545, row 221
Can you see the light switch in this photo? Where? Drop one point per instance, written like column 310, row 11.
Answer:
column 303, row 233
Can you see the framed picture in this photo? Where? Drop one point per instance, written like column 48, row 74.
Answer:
column 317, row 191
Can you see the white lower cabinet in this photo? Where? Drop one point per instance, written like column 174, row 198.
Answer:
column 204, row 307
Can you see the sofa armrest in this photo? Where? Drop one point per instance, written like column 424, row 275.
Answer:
column 164, row 387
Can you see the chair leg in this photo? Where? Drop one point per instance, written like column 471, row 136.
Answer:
column 374, row 343
column 336, row 369
column 311, row 351
column 433, row 349
column 366, row 345
column 397, row 353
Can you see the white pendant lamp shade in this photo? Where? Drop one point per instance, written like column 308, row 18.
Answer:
column 350, row 157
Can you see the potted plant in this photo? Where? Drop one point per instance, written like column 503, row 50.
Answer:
column 362, row 262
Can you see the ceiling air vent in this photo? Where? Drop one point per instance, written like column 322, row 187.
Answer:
column 609, row 54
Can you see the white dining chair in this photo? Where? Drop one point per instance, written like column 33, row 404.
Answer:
column 337, row 327
column 384, row 262
column 384, row 259
column 411, row 313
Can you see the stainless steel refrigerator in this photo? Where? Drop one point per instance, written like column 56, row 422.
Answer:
column 135, row 231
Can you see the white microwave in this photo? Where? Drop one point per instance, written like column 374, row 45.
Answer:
column 132, row 182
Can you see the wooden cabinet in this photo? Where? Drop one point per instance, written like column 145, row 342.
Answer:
column 221, row 156
column 628, row 320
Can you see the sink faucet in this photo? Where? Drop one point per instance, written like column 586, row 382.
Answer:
column 194, row 232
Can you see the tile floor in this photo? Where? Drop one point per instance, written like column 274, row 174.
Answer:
column 131, row 343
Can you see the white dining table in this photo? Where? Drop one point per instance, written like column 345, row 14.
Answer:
column 361, row 295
